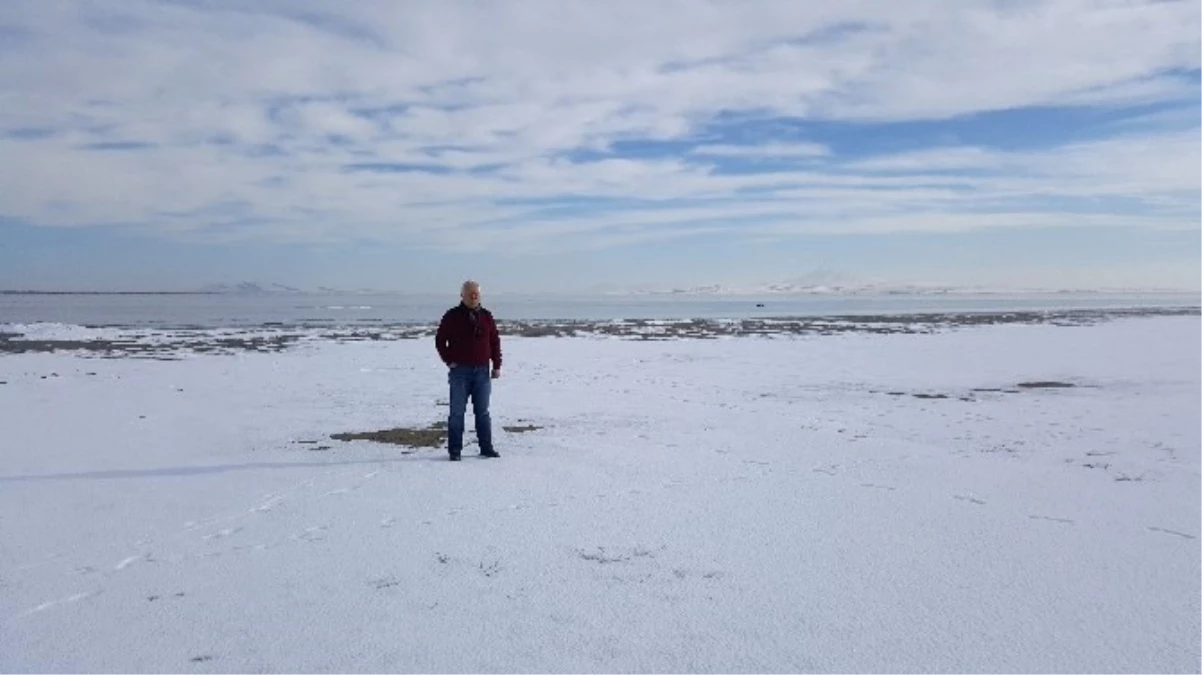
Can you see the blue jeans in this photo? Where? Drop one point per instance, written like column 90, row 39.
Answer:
column 476, row 383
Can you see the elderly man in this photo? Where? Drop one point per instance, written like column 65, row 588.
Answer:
column 467, row 340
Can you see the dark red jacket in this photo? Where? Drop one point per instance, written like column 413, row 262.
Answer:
column 468, row 337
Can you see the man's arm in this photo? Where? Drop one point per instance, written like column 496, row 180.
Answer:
column 495, row 347
column 442, row 339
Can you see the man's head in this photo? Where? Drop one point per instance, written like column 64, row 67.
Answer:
column 470, row 293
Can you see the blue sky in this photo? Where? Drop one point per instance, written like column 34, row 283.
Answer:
column 576, row 145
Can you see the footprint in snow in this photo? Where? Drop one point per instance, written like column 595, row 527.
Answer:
column 268, row 504
column 53, row 603
column 223, row 533
column 129, row 561
column 1175, row 533
column 311, row 533
column 1055, row 520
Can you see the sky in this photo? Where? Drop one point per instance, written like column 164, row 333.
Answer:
column 574, row 146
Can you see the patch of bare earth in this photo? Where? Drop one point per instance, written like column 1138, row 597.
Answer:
column 433, row 436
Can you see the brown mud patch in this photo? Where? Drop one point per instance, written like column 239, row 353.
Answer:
column 433, row 436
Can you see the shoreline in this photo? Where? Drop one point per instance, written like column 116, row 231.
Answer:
column 166, row 343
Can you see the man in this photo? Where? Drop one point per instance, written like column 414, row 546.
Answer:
column 467, row 340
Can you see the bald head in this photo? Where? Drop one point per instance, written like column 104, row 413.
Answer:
column 470, row 293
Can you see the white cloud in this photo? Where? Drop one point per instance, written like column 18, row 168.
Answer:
column 765, row 150
column 500, row 100
column 937, row 159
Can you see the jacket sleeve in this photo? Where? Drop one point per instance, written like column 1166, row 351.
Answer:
column 442, row 339
column 495, row 344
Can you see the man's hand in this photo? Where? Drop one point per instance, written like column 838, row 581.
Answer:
column 496, row 372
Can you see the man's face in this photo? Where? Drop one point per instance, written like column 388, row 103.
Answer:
column 471, row 296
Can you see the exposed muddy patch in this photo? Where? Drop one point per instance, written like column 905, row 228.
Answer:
column 970, row 396
column 433, row 436
column 521, row 428
column 1044, row 384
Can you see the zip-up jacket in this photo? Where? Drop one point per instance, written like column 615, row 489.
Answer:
column 468, row 337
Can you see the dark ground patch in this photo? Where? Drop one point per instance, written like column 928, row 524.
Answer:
column 164, row 351
column 521, row 429
column 968, row 397
column 433, row 436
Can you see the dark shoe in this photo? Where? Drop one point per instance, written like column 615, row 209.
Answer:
column 454, row 456
column 489, row 453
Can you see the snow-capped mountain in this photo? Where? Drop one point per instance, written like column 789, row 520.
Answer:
column 249, row 288
column 815, row 283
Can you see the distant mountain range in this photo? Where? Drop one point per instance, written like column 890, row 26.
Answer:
column 827, row 283
column 256, row 288
column 818, row 283
column 806, row 289
column 830, row 284
column 815, row 283
column 248, row 287
column 784, row 289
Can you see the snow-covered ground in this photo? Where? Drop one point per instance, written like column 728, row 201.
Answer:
column 856, row 502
